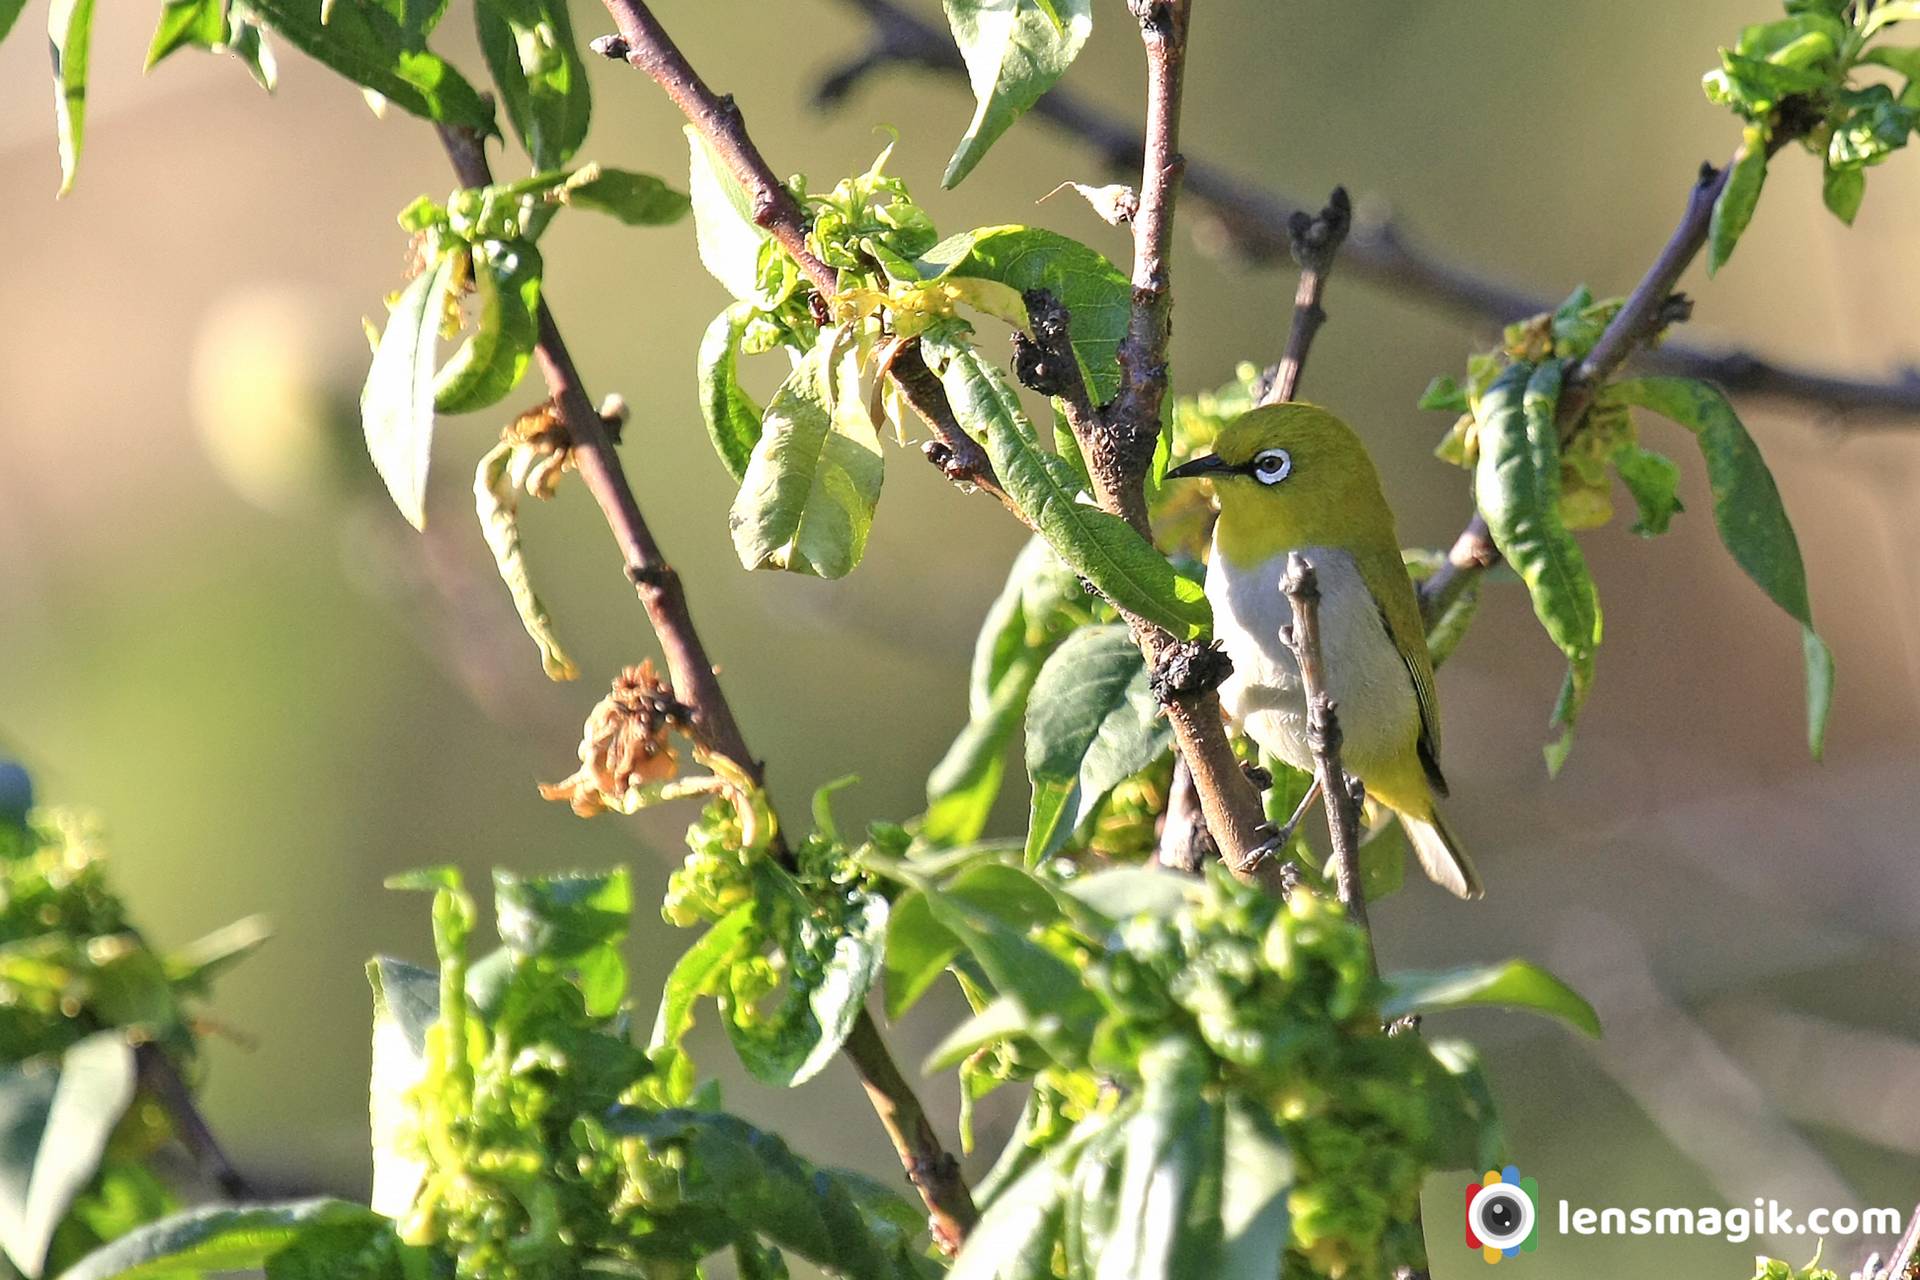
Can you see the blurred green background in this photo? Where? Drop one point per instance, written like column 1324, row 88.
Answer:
column 215, row 629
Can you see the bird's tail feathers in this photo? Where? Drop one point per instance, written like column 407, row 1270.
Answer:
column 1441, row 856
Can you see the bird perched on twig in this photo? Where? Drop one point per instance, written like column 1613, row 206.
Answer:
column 1292, row 477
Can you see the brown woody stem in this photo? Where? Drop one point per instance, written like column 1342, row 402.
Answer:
column 933, row 1171
column 1316, row 242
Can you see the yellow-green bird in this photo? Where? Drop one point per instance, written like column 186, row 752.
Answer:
column 1292, row 477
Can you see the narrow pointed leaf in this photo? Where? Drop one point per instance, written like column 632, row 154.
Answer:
column 1738, row 198
column 396, row 405
column 530, row 50
column 1749, row 515
column 54, row 1126
column 371, row 46
column 1514, row 984
column 489, row 363
column 1100, row 547
column 732, row 418
column 69, row 34
column 201, row 24
column 217, row 1238
column 1014, row 50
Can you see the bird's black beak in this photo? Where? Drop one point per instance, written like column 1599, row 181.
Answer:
column 1206, row 464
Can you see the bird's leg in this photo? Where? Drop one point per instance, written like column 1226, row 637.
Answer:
column 1277, row 843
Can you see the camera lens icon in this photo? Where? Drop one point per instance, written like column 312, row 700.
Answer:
column 1501, row 1217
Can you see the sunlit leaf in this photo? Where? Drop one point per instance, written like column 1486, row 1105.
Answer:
column 69, row 33
column 1514, row 984
column 529, row 48
column 1733, row 210
column 489, row 363
column 55, row 1120
column 217, row 1238
column 1014, row 51
column 807, row 499
column 732, row 418
column 1654, row 481
column 396, row 405
column 370, row 45
column 200, row 24
column 1099, row 546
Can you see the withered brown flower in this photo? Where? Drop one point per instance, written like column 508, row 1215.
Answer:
column 624, row 746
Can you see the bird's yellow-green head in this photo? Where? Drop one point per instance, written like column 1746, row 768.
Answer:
column 1293, row 475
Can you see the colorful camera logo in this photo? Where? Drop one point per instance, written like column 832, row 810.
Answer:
column 1501, row 1218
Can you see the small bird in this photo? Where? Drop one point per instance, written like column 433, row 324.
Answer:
column 1292, row 477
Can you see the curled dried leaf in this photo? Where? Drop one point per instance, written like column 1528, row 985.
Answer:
column 533, row 453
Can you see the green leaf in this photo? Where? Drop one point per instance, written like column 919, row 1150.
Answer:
column 199, row 23
column 1843, row 189
column 217, row 1238
column 1057, row 1005
column 1749, row 514
column 636, row 199
column 1654, row 481
column 204, row 959
column 1733, row 210
column 1905, row 61
column 496, row 494
column 54, row 1125
column 1014, row 1239
column 396, row 405
column 1887, row 14
column 729, row 239
column 530, row 50
column 1096, row 293
column 9, row 13
column 247, row 41
column 1167, row 1216
column 831, row 962
column 1445, row 393
column 406, row 1001
column 1101, row 547
column 1517, row 486
column 1041, row 602
column 1014, row 51
column 369, row 45
column 492, row 359
column 732, row 418
column 570, row 924
column 1121, row 893
column 807, row 499
column 918, row 949
column 1092, row 721
column 1256, row 1174
column 1002, row 1019
column 752, row 1179
column 69, row 33
column 696, row 974
column 1514, row 984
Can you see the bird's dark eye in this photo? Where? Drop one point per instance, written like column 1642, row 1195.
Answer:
column 1271, row 466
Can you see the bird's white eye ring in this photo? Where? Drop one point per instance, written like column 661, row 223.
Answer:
column 1271, row 466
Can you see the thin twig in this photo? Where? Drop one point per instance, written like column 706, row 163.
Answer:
column 1302, row 587
column 161, row 1078
column 1257, row 224
column 1905, row 1262
column 697, row 686
column 1316, row 242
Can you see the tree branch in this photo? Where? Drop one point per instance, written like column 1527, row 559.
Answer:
column 160, row 1076
column 1316, row 241
column 1258, row 226
column 933, row 1171
column 1302, row 587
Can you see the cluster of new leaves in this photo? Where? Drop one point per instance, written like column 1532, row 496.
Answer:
column 1799, row 78
column 82, row 997
column 1213, row 1084
column 1537, row 478
column 519, row 1132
